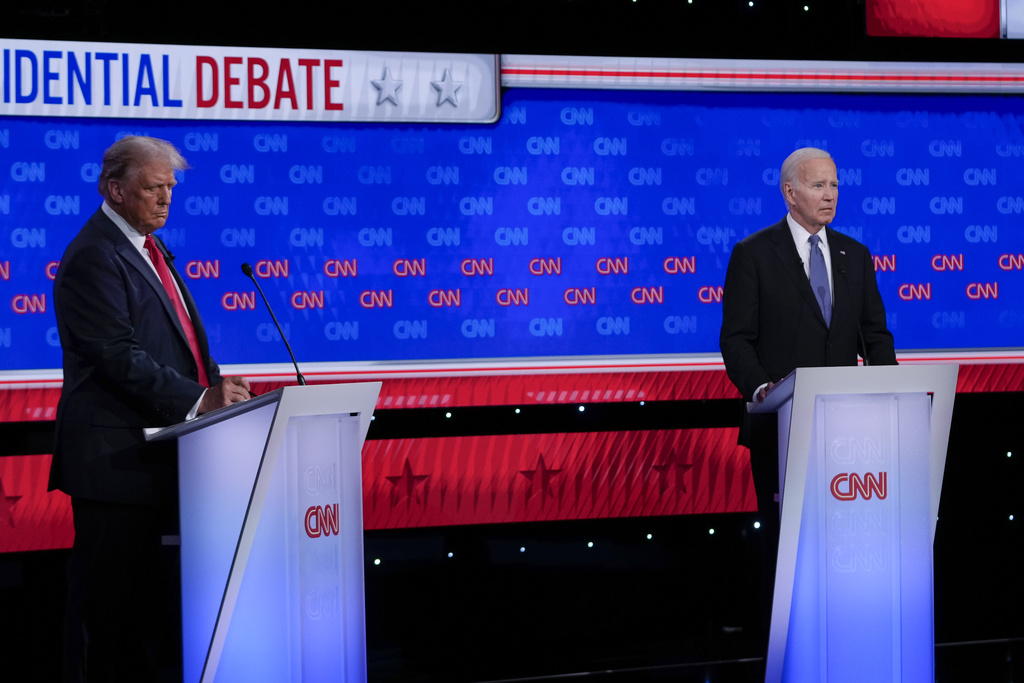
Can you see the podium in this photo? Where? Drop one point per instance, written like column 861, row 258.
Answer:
column 861, row 457
column 272, row 536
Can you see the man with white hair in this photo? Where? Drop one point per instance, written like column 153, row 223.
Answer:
column 797, row 294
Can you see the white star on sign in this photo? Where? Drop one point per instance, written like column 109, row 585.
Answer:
column 446, row 89
column 388, row 88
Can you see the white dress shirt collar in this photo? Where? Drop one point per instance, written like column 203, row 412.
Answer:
column 803, row 247
column 137, row 239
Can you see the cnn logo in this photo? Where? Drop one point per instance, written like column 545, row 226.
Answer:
column 322, row 521
column 847, row 486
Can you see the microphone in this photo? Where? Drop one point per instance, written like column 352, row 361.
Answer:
column 860, row 332
column 247, row 269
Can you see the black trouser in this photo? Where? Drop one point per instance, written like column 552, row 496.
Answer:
column 764, row 465
column 123, row 617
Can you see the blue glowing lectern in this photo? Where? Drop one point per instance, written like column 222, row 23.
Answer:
column 861, row 457
column 272, row 536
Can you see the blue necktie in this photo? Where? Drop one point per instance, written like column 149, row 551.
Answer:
column 819, row 279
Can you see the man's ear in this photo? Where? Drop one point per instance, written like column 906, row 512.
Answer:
column 787, row 193
column 115, row 191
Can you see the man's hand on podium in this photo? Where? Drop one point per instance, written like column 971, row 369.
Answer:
column 230, row 390
column 761, row 394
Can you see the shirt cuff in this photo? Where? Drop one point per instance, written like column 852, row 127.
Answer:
column 195, row 409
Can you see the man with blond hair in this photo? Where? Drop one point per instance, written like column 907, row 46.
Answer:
column 135, row 355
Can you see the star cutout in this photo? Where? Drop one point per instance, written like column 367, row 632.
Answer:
column 7, row 504
column 541, row 476
column 672, row 466
column 447, row 89
column 406, row 483
column 388, row 88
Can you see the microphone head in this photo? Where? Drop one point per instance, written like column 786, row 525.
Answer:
column 247, row 269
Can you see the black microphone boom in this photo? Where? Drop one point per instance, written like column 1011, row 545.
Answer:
column 247, row 269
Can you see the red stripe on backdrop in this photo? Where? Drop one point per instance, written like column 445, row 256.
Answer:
column 21, row 404
column 30, row 517
column 933, row 18
column 810, row 77
column 472, row 480
column 475, row 480
column 544, row 477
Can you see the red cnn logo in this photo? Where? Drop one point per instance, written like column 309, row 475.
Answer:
column 28, row 303
column 478, row 266
column 203, row 269
column 885, row 263
column 341, row 268
column 856, row 486
column 322, row 521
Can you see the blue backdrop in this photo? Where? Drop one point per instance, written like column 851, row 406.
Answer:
column 583, row 223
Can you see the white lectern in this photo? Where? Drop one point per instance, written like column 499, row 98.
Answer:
column 272, row 536
column 861, row 457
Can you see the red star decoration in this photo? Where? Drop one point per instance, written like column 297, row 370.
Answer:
column 541, row 476
column 7, row 504
column 406, row 483
column 670, row 467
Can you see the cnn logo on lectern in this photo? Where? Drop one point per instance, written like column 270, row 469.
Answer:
column 846, row 486
column 322, row 520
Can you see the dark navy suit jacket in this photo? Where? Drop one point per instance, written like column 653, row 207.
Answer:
column 127, row 365
column 771, row 322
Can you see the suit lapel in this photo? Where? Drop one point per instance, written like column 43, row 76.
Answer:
column 786, row 253
column 839, row 277
column 127, row 251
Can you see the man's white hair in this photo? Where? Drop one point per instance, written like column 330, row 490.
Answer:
column 793, row 161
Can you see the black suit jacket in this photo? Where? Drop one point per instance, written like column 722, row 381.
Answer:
column 771, row 322
column 127, row 365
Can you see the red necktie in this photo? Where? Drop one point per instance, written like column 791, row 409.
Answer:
column 172, row 291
